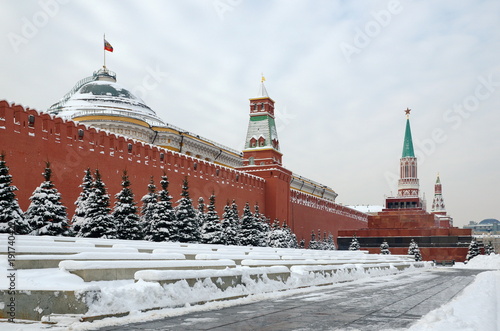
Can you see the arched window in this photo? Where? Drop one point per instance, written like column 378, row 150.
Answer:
column 253, row 142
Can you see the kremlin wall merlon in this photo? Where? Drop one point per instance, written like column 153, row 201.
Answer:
column 29, row 139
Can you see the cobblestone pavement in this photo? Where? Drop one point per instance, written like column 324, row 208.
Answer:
column 377, row 304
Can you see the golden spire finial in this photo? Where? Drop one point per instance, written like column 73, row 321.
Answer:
column 262, row 79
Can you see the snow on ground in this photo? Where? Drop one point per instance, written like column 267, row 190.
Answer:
column 482, row 262
column 476, row 308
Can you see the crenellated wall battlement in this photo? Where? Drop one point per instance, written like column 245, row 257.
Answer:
column 30, row 138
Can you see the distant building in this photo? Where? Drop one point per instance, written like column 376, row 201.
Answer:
column 486, row 226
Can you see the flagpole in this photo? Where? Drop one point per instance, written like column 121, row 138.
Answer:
column 104, row 49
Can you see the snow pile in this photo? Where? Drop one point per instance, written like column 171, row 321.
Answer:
column 476, row 308
column 146, row 295
column 491, row 261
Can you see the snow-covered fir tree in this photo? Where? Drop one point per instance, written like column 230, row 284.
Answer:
column 291, row 237
column 354, row 246
column 167, row 226
column 329, row 243
column 278, row 238
column 473, row 250
column 46, row 215
column 249, row 234
column 98, row 222
column 263, row 226
column 384, row 248
column 81, row 202
column 124, row 213
column 229, row 226
column 211, row 229
column 489, row 249
column 302, row 243
column 150, row 212
column 313, row 244
column 188, row 225
column 414, row 250
column 11, row 215
column 201, row 209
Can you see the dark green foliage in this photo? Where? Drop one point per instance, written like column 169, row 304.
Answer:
column 11, row 216
column 79, row 215
column 384, row 248
column 414, row 250
column 249, row 234
column 473, row 250
column 354, row 246
column 124, row 213
column 46, row 215
column 211, row 230
column 187, row 222
column 98, row 222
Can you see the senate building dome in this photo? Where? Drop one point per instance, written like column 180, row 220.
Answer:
column 101, row 102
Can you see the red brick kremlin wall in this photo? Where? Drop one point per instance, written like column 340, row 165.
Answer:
column 29, row 139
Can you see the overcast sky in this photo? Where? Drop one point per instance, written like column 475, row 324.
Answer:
column 341, row 73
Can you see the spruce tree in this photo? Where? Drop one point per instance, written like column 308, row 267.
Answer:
column 11, row 215
column 81, row 202
column 489, row 249
column 149, row 211
column 473, row 250
column 46, row 214
column 189, row 229
column 229, row 232
column 279, row 237
column 211, row 230
column 98, row 222
column 384, row 248
column 163, row 225
column 249, row 234
column 354, row 246
column 124, row 213
column 313, row 244
column 414, row 250
column 167, row 213
column 330, row 243
column 262, row 225
column 291, row 238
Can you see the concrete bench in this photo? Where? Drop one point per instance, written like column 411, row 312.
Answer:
column 330, row 269
column 237, row 258
column 223, row 279
column 287, row 263
column 115, row 270
column 189, row 253
column 70, row 249
column 52, row 261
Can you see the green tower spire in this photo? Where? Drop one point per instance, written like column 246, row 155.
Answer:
column 408, row 142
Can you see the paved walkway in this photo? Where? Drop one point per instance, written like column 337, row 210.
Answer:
column 378, row 304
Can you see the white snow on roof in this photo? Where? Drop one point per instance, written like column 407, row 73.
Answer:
column 367, row 208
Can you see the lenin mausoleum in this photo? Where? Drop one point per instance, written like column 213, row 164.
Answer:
column 101, row 125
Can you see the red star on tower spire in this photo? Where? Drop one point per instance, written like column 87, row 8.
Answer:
column 407, row 112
